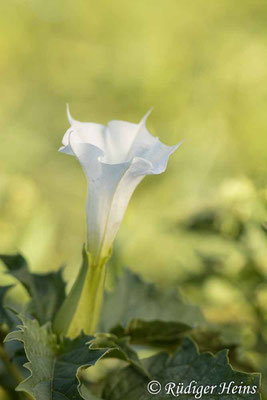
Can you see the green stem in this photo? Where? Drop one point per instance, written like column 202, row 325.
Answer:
column 81, row 309
column 88, row 312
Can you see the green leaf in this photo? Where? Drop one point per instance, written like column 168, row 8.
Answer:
column 119, row 348
column 184, row 366
column 7, row 320
column 157, row 332
column 47, row 291
column 54, row 367
column 145, row 313
column 4, row 317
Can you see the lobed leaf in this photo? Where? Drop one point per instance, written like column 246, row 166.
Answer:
column 145, row 313
column 184, row 366
column 54, row 367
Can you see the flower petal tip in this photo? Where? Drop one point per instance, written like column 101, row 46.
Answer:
column 70, row 119
column 175, row 147
column 143, row 120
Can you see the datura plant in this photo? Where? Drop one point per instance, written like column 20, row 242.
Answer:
column 115, row 158
column 49, row 345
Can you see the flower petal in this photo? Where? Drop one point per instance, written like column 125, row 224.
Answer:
column 115, row 159
column 125, row 140
column 110, row 187
column 84, row 132
column 102, row 182
column 118, row 141
column 159, row 155
column 125, row 187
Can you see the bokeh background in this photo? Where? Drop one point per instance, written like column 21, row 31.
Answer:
column 201, row 64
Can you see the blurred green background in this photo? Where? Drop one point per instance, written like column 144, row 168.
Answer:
column 202, row 65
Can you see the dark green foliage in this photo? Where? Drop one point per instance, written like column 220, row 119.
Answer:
column 54, row 367
column 184, row 366
column 47, row 291
column 145, row 313
column 135, row 313
column 4, row 316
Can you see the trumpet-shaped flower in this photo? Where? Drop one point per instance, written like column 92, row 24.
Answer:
column 115, row 158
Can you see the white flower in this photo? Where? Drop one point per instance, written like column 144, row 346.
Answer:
column 115, row 158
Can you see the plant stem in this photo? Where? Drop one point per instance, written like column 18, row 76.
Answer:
column 88, row 312
column 81, row 309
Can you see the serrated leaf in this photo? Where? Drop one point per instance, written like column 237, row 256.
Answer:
column 54, row 367
column 147, row 314
column 186, row 365
column 47, row 291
